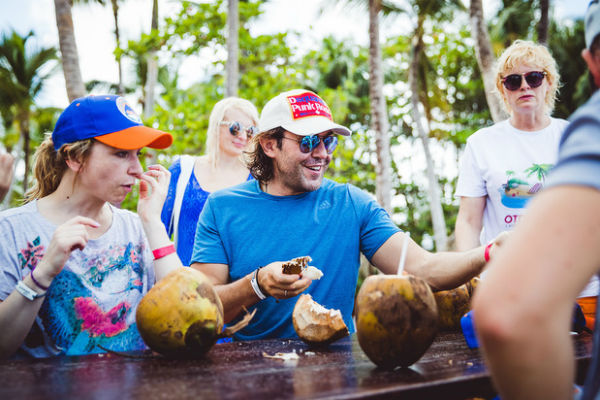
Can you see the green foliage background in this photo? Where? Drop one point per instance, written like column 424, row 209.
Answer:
column 338, row 71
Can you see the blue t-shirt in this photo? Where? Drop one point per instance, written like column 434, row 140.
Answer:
column 194, row 198
column 246, row 228
column 579, row 164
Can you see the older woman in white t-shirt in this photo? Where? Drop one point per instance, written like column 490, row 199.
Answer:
column 505, row 165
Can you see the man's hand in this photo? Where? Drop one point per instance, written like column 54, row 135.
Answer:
column 275, row 283
column 498, row 242
column 6, row 173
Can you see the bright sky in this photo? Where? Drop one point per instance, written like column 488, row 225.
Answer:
column 95, row 39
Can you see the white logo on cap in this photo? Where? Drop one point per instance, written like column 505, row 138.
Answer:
column 127, row 111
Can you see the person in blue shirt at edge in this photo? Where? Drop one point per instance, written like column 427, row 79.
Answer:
column 231, row 124
column 246, row 231
column 522, row 310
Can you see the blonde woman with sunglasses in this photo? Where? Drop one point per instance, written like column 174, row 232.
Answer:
column 505, row 165
column 232, row 123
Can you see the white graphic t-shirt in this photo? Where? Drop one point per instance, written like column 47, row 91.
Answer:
column 509, row 166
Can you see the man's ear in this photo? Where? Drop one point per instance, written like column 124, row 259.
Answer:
column 593, row 62
column 269, row 145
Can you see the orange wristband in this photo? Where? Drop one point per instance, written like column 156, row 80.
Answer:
column 163, row 251
column 486, row 255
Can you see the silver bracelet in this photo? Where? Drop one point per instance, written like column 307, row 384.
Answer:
column 28, row 292
column 255, row 287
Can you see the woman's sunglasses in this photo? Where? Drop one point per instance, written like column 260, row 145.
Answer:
column 534, row 79
column 235, row 128
column 309, row 143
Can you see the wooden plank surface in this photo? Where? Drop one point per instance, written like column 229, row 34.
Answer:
column 448, row 370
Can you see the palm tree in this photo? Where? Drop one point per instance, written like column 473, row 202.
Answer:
column 152, row 70
column 232, row 65
column 379, row 117
column 542, row 28
column 21, row 80
column 485, row 59
column 68, row 49
column 541, row 170
column 418, row 85
column 115, row 10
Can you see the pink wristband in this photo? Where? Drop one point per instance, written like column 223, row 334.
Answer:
column 486, row 255
column 163, row 251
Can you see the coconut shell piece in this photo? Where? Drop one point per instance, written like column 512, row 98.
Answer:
column 316, row 324
column 295, row 266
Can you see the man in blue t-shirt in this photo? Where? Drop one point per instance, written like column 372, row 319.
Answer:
column 522, row 310
column 245, row 232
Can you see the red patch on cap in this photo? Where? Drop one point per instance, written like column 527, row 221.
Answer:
column 308, row 105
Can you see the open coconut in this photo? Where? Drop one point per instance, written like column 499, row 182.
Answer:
column 396, row 319
column 300, row 265
column 452, row 305
column 316, row 324
column 182, row 315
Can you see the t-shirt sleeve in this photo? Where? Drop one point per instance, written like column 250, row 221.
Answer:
column 470, row 179
column 579, row 155
column 376, row 226
column 9, row 261
column 167, row 210
column 208, row 246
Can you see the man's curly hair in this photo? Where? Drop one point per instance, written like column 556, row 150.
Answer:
column 259, row 164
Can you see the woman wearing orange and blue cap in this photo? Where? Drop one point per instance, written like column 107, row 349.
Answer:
column 72, row 266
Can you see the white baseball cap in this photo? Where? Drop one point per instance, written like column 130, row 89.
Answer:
column 300, row 112
column 592, row 22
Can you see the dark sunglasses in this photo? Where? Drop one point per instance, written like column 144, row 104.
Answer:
column 534, row 79
column 235, row 128
column 309, row 143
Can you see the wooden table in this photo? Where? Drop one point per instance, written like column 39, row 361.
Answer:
column 449, row 370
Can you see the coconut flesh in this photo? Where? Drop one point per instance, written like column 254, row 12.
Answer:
column 316, row 324
column 299, row 265
column 396, row 319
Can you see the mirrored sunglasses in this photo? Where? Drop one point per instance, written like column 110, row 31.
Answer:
column 534, row 79
column 309, row 143
column 235, row 128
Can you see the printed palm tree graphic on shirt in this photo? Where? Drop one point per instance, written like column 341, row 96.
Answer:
column 517, row 191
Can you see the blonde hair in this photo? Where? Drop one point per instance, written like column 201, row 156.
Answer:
column 529, row 53
column 216, row 116
column 50, row 165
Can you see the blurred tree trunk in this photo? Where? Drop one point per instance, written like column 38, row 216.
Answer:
column 115, row 8
column 379, row 123
column 152, row 73
column 433, row 189
column 485, row 59
column 232, row 66
column 543, row 24
column 68, row 50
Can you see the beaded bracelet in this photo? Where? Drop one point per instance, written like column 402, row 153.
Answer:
column 163, row 251
column 37, row 283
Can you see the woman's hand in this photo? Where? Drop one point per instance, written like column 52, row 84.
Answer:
column 154, row 185
column 67, row 237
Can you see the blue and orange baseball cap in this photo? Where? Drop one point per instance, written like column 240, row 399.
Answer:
column 108, row 119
